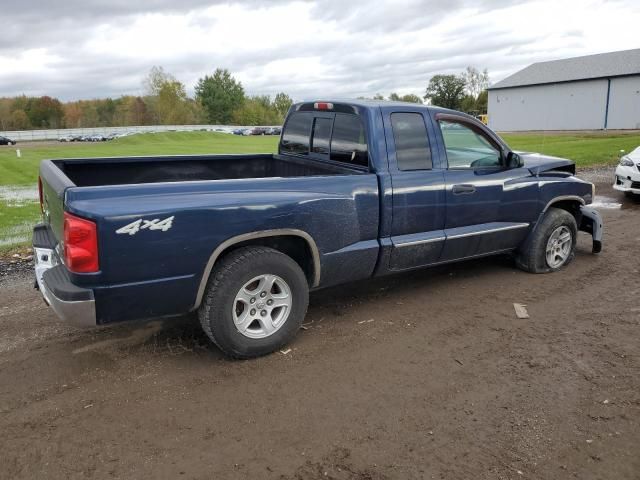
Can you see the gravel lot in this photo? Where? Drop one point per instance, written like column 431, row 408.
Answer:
column 423, row 375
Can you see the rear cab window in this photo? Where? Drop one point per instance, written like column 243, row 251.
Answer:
column 295, row 137
column 348, row 143
column 338, row 137
column 321, row 136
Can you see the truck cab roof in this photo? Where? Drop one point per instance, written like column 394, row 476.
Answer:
column 370, row 103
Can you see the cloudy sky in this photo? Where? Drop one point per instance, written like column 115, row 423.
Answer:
column 344, row 48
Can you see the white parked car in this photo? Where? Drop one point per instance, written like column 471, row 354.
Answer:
column 628, row 173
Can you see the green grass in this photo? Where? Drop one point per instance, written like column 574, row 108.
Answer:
column 16, row 217
column 24, row 171
column 586, row 149
column 16, row 223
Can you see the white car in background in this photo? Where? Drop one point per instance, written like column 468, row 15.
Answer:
column 628, row 173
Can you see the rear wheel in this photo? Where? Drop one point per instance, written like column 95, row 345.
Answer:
column 255, row 302
column 551, row 245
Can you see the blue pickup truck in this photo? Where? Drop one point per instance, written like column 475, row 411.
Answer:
column 357, row 189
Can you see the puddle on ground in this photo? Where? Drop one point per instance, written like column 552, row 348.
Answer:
column 610, row 203
column 16, row 234
column 600, row 201
column 18, row 196
column 14, row 240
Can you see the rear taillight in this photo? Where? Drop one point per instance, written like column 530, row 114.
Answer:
column 80, row 244
column 40, row 195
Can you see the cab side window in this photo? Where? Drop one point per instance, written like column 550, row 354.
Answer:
column 467, row 148
column 412, row 141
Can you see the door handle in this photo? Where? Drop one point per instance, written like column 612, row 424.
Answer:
column 463, row 189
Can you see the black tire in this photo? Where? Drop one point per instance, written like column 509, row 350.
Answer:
column 228, row 277
column 532, row 255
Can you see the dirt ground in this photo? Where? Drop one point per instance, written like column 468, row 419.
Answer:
column 423, row 375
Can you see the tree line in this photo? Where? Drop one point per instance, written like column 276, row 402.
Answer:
column 219, row 99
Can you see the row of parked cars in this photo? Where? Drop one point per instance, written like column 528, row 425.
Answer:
column 93, row 138
column 257, row 131
column 103, row 138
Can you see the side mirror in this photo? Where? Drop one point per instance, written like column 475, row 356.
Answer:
column 513, row 160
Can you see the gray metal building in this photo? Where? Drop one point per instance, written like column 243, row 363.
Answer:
column 584, row 93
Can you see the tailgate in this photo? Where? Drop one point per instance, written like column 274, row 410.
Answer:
column 54, row 184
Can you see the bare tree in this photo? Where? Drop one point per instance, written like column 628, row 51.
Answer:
column 475, row 81
column 155, row 80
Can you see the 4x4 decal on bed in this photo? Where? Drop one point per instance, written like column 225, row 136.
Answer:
column 140, row 224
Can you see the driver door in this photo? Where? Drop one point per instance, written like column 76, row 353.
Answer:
column 475, row 180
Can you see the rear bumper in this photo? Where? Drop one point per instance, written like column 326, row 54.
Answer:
column 72, row 304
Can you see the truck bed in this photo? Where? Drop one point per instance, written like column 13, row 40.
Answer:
column 204, row 201
column 137, row 170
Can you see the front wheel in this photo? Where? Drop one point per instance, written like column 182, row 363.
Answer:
column 255, row 302
column 552, row 245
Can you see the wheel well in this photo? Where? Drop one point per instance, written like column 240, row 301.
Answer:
column 295, row 247
column 571, row 206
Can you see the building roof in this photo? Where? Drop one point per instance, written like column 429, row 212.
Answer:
column 602, row 65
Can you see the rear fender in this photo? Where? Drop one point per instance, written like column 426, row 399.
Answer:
column 315, row 253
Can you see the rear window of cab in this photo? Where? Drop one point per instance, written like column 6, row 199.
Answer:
column 339, row 137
